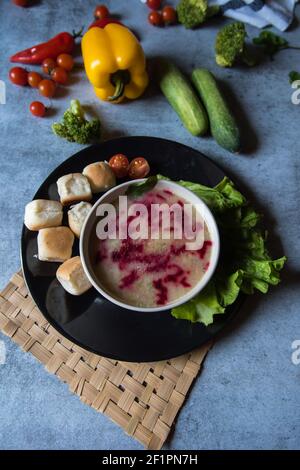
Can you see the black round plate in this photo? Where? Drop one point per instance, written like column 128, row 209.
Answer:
column 90, row 320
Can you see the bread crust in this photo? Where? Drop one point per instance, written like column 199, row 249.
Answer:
column 55, row 244
column 77, row 215
column 100, row 176
column 43, row 213
column 73, row 187
column 72, row 277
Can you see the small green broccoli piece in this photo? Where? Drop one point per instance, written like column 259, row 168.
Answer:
column 231, row 47
column 75, row 127
column 294, row 76
column 272, row 43
column 191, row 13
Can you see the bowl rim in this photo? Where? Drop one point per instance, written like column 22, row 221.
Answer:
column 188, row 195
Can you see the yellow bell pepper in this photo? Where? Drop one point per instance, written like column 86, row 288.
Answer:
column 114, row 62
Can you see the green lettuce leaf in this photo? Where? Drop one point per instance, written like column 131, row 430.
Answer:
column 245, row 264
column 249, row 218
column 259, row 274
column 223, row 196
column 202, row 308
column 136, row 190
column 229, row 288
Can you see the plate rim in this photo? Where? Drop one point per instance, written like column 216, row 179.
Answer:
column 50, row 320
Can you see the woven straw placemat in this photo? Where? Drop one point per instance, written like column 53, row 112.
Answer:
column 142, row 398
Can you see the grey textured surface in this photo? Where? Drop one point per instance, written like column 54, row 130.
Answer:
column 248, row 394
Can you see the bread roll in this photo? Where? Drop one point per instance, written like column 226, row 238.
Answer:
column 100, row 176
column 42, row 213
column 77, row 215
column 72, row 276
column 73, row 187
column 55, row 244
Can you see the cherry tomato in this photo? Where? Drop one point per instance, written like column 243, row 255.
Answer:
column 34, row 79
column 169, row 15
column 154, row 4
column 155, row 18
column 37, row 109
column 47, row 88
column 20, row 3
column 59, row 75
column 18, row 76
column 119, row 164
column 48, row 65
column 101, row 12
column 138, row 168
column 65, row 61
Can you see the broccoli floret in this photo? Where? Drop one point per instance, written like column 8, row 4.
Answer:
column 230, row 45
column 74, row 126
column 192, row 13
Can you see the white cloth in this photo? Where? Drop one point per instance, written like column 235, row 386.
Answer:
column 259, row 13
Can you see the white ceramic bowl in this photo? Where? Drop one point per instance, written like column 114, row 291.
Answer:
column 109, row 197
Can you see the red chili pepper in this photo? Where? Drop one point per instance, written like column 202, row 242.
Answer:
column 62, row 43
column 102, row 23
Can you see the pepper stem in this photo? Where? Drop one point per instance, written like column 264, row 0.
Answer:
column 119, row 79
column 77, row 34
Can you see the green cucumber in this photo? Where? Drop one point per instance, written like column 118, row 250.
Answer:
column 182, row 98
column 223, row 125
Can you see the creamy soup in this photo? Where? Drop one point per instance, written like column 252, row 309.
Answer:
column 150, row 272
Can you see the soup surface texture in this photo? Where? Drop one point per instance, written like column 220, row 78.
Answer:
column 151, row 272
